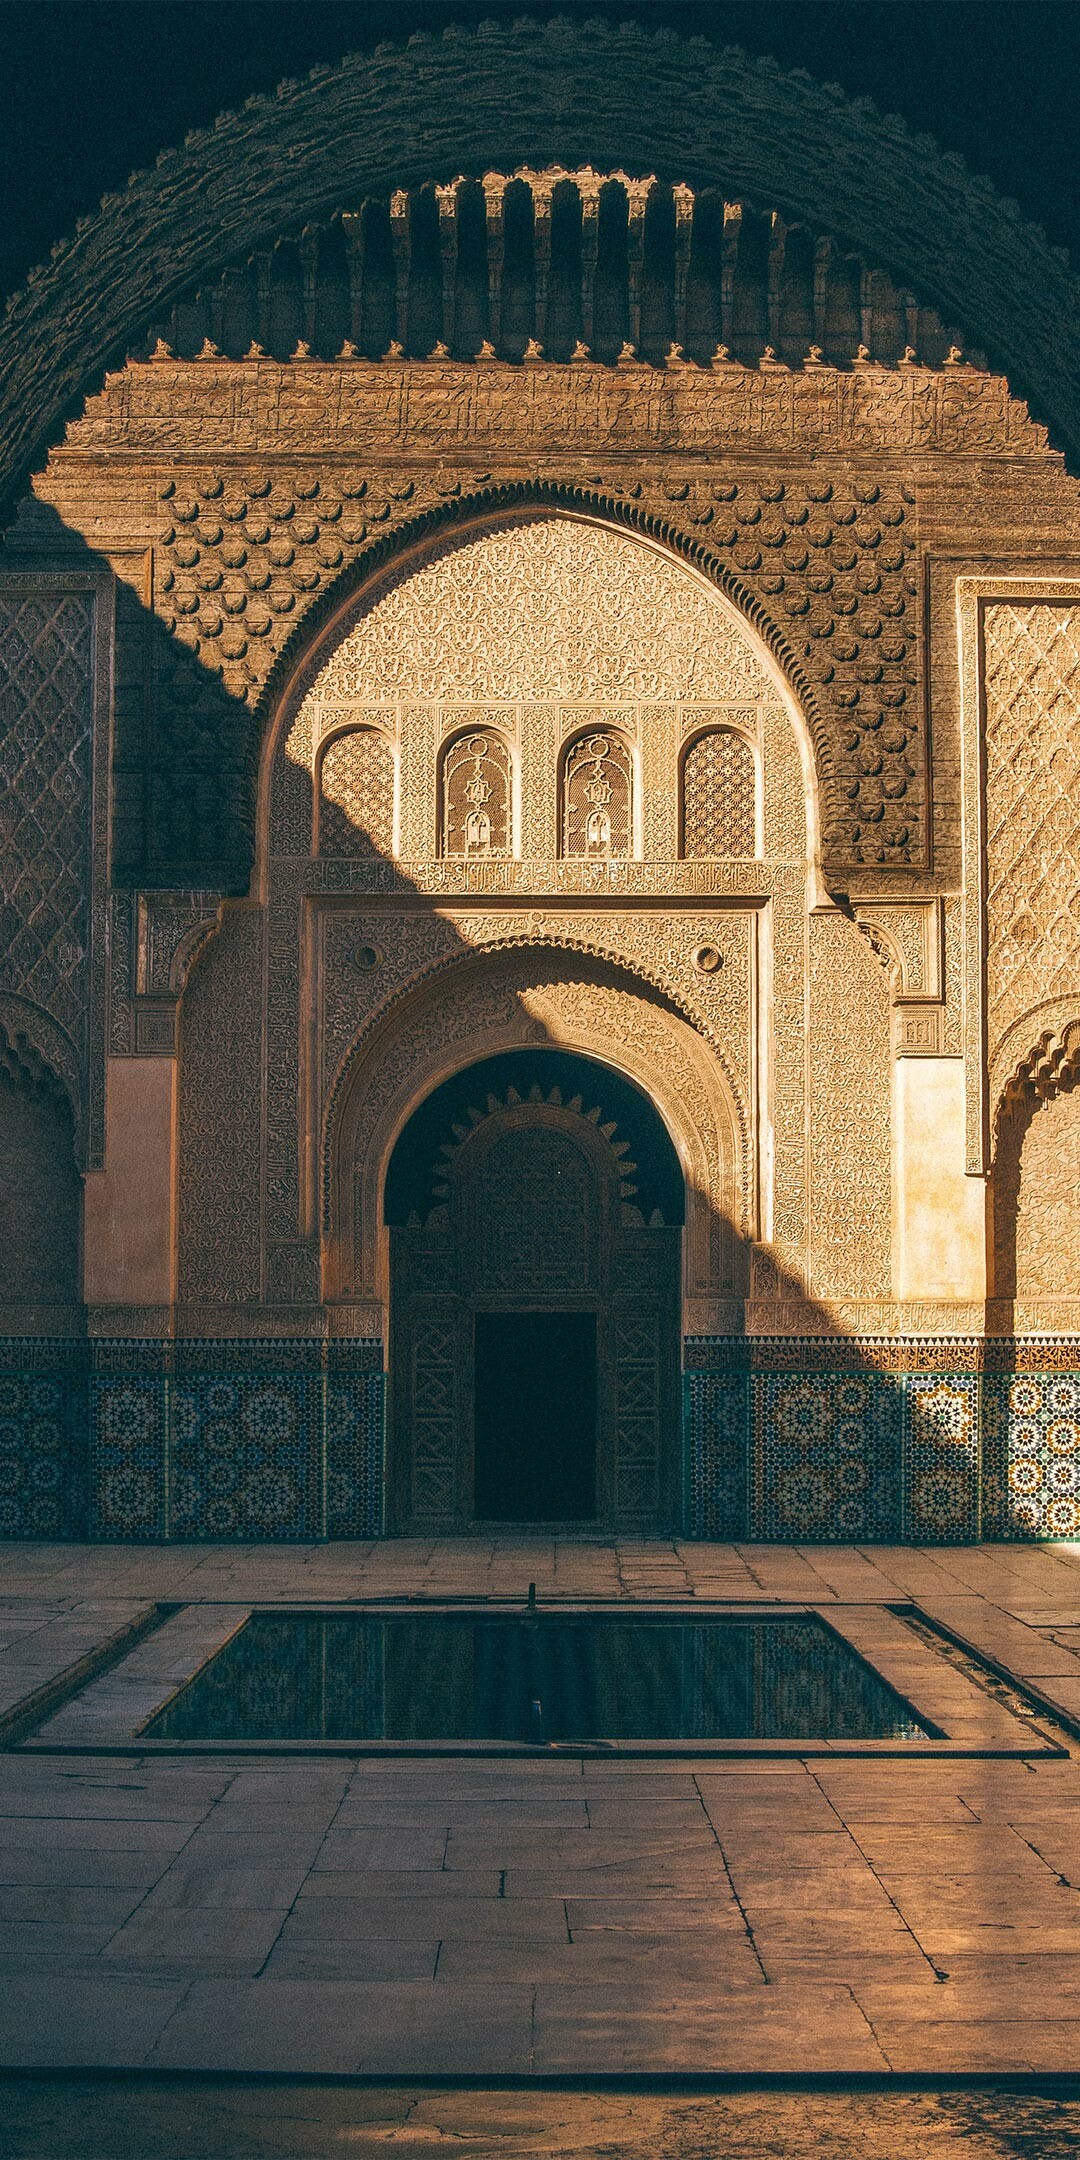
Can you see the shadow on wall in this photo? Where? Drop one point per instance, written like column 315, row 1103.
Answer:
column 250, row 1416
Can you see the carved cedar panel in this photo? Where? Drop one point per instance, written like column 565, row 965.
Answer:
column 1032, row 717
column 638, row 1389
column 719, row 796
column 537, row 1229
column 356, row 795
column 435, row 1420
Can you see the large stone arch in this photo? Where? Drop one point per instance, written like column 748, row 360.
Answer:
column 524, row 94
column 488, row 1003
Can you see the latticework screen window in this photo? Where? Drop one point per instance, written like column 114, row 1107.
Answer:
column 598, row 798
column 356, row 808
column 719, row 796
column 477, row 796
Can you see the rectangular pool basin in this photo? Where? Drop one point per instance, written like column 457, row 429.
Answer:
column 534, row 1679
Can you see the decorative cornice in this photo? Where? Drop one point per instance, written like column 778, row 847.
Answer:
column 511, row 94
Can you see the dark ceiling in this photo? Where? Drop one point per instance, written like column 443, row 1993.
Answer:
column 94, row 88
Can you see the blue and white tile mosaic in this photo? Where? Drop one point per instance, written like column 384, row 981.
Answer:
column 127, row 1455
column 826, row 1456
column 784, row 1440
column 245, row 1456
column 717, row 1415
column 42, row 1454
column 1031, row 1455
column 354, row 1454
column 941, row 1458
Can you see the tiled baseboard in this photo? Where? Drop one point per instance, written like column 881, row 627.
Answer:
column 804, row 1450
column 782, row 1440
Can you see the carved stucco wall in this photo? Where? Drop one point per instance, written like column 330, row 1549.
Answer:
column 544, row 608
column 542, row 622
column 50, row 885
column 220, row 1152
column 1032, row 718
column 268, row 492
column 848, row 1091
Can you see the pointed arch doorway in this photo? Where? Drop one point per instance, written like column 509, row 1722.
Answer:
column 534, row 1205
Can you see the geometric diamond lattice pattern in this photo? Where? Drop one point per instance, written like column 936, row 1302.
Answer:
column 356, row 814
column 45, row 730
column 1032, row 683
column 718, row 797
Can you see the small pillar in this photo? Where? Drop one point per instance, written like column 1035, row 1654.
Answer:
column 939, row 1213
column 129, row 1213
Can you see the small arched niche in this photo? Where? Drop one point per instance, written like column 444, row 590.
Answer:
column 354, row 794
column 718, row 796
column 597, row 808
column 40, row 1189
column 1035, row 1182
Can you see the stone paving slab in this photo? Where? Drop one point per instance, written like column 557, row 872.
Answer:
column 373, row 2027
column 509, row 1917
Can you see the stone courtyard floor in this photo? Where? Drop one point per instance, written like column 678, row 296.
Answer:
column 326, row 1915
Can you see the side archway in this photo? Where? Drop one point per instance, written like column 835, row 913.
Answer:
column 41, row 1189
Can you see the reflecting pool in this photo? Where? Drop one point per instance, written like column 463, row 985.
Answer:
column 534, row 1678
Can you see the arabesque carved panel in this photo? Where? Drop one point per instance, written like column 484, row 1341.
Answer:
column 1032, row 717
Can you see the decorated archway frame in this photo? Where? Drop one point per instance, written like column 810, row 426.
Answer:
column 800, row 801
column 487, row 1006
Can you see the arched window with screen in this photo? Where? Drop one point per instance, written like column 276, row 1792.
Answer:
column 598, row 797
column 355, row 796
column 476, row 796
column 719, row 796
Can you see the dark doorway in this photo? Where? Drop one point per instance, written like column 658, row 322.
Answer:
column 535, row 1417
column 534, row 1203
